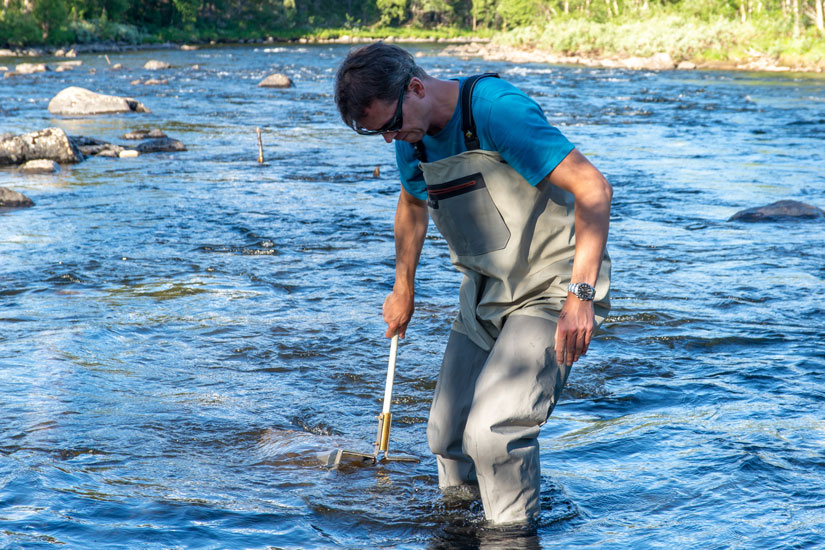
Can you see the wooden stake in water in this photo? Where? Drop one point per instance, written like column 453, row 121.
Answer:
column 260, row 147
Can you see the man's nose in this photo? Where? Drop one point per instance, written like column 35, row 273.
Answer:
column 389, row 136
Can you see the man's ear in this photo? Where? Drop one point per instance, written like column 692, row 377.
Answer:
column 416, row 86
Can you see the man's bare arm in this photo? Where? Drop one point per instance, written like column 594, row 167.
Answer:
column 411, row 220
column 593, row 195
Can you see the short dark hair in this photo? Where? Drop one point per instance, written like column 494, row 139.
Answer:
column 378, row 71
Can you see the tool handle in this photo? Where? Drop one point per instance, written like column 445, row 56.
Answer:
column 390, row 375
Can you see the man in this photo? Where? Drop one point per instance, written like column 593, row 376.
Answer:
column 526, row 218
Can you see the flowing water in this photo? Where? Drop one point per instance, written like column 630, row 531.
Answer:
column 180, row 333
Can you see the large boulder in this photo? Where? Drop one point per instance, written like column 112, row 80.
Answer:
column 50, row 144
column 276, row 80
column 779, row 211
column 80, row 101
column 13, row 199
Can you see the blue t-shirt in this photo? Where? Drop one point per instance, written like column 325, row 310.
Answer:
column 507, row 121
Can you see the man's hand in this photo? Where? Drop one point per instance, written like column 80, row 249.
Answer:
column 398, row 309
column 575, row 329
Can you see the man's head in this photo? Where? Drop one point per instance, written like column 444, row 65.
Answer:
column 378, row 72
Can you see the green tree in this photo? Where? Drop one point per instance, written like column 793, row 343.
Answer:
column 392, row 11
column 187, row 10
column 49, row 14
column 483, row 13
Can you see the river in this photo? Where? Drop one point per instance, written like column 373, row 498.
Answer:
column 180, row 333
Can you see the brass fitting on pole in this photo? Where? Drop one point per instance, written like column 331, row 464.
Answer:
column 383, row 438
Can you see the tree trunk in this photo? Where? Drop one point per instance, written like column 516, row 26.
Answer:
column 796, row 17
column 820, row 24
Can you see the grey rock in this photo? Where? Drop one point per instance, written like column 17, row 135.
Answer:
column 155, row 65
column 154, row 133
column 90, row 146
column 10, row 74
column 80, row 101
column 51, row 144
column 13, row 199
column 161, row 145
column 779, row 211
column 40, row 166
column 276, row 80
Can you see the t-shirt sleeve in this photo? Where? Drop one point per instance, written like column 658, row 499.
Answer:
column 515, row 126
column 412, row 179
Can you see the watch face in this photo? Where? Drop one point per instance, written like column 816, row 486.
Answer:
column 585, row 291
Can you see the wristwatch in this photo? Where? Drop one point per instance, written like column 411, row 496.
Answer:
column 583, row 291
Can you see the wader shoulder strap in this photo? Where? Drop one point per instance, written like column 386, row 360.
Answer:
column 468, row 125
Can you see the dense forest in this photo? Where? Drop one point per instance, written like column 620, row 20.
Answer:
column 684, row 28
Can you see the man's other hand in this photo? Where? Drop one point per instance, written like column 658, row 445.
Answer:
column 575, row 330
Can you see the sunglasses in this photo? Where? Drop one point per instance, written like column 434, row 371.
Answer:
column 393, row 125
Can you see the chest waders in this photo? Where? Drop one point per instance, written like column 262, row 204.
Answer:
column 499, row 380
column 513, row 242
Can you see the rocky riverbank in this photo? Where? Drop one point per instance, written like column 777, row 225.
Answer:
column 657, row 62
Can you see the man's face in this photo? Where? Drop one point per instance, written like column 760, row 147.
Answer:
column 387, row 114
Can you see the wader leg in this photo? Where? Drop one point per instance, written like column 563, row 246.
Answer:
column 453, row 397
column 515, row 392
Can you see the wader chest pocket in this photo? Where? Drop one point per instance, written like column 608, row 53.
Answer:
column 466, row 216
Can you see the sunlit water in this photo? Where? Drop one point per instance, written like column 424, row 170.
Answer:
column 180, row 333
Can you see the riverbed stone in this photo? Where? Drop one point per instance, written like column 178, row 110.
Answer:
column 160, row 145
column 277, row 80
column 780, row 211
column 155, row 65
column 90, row 146
column 13, row 199
column 51, row 144
column 129, row 153
column 40, row 166
column 30, row 68
column 62, row 66
column 154, row 133
column 80, row 101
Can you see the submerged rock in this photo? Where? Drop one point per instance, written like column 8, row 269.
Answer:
column 154, row 133
column 40, row 166
column 276, row 80
column 778, row 211
column 13, row 199
column 80, row 101
column 62, row 66
column 160, row 145
column 90, row 146
column 50, row 144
